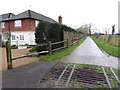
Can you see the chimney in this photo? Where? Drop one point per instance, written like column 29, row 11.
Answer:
column 60, row 20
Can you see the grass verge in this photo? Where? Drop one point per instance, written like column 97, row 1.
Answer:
column 108, row 48
column 61, row 53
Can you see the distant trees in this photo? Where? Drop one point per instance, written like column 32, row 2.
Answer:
column 84, row 29
column 90, row 25
column 106, row 31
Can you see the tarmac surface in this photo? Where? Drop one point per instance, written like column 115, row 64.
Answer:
column 89, row 53
column 27, row 76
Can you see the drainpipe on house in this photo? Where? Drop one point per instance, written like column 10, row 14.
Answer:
column 9, row 32
column 29, row 13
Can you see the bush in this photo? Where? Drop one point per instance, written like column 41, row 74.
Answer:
column 39, row 48
column 32, row 50
column 2, row 43
column 42, row 48
column 14, row 47
column 40, row 32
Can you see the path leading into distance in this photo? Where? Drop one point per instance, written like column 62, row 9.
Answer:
column 89, row 53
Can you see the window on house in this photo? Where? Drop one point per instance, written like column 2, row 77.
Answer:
column 11, row 15
column 36, row 23
column 3, row 25
column 21, row 37
column 13, row 37
column 5, row 37
column 18, row 23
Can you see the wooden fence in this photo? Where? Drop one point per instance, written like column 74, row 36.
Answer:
column 66, row 44
column 112, row 39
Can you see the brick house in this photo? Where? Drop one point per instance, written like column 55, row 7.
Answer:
column 21, row 26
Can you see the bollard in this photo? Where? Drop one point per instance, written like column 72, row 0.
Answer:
column 8, row 53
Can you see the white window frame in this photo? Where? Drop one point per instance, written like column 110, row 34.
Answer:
column 18, row 23
column 13, row 37
column 11, row 15
column 3, row 25
column 36, row 23
column 4, row 37
column 22, row 37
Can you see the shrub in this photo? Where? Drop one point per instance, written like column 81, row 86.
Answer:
column 32, row 50
column 14, row 47
column 39, row 48
column 2, row 43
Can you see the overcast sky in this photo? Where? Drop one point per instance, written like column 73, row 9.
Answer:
column 101, row 13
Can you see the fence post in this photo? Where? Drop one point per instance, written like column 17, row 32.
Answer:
column 67, row 43
column 50, row 48
column 8, row 53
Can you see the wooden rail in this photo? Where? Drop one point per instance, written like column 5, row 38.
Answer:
column 58, row 48
column 36, row 53
column 75, row 40
column 58, row 42
column 49, row 44
column 50, row 48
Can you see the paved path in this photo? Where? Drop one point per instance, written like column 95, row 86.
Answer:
column 27, row 76
column 89, row 53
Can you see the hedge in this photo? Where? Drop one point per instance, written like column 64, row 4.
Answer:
column 53, row 32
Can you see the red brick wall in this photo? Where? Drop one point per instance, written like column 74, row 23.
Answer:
column 27, row 25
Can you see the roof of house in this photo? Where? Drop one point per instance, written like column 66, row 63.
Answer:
column 31, row 15
column 6, row 16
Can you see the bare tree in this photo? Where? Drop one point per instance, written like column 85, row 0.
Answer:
column 90, row 25
column 106, row 32
column 113, row 29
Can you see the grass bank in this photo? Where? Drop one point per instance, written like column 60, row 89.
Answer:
column 108, row 48
column 61, row 53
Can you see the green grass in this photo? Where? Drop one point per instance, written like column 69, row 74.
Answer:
column 61, row 53
column 108, row 48
column 117, row 38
